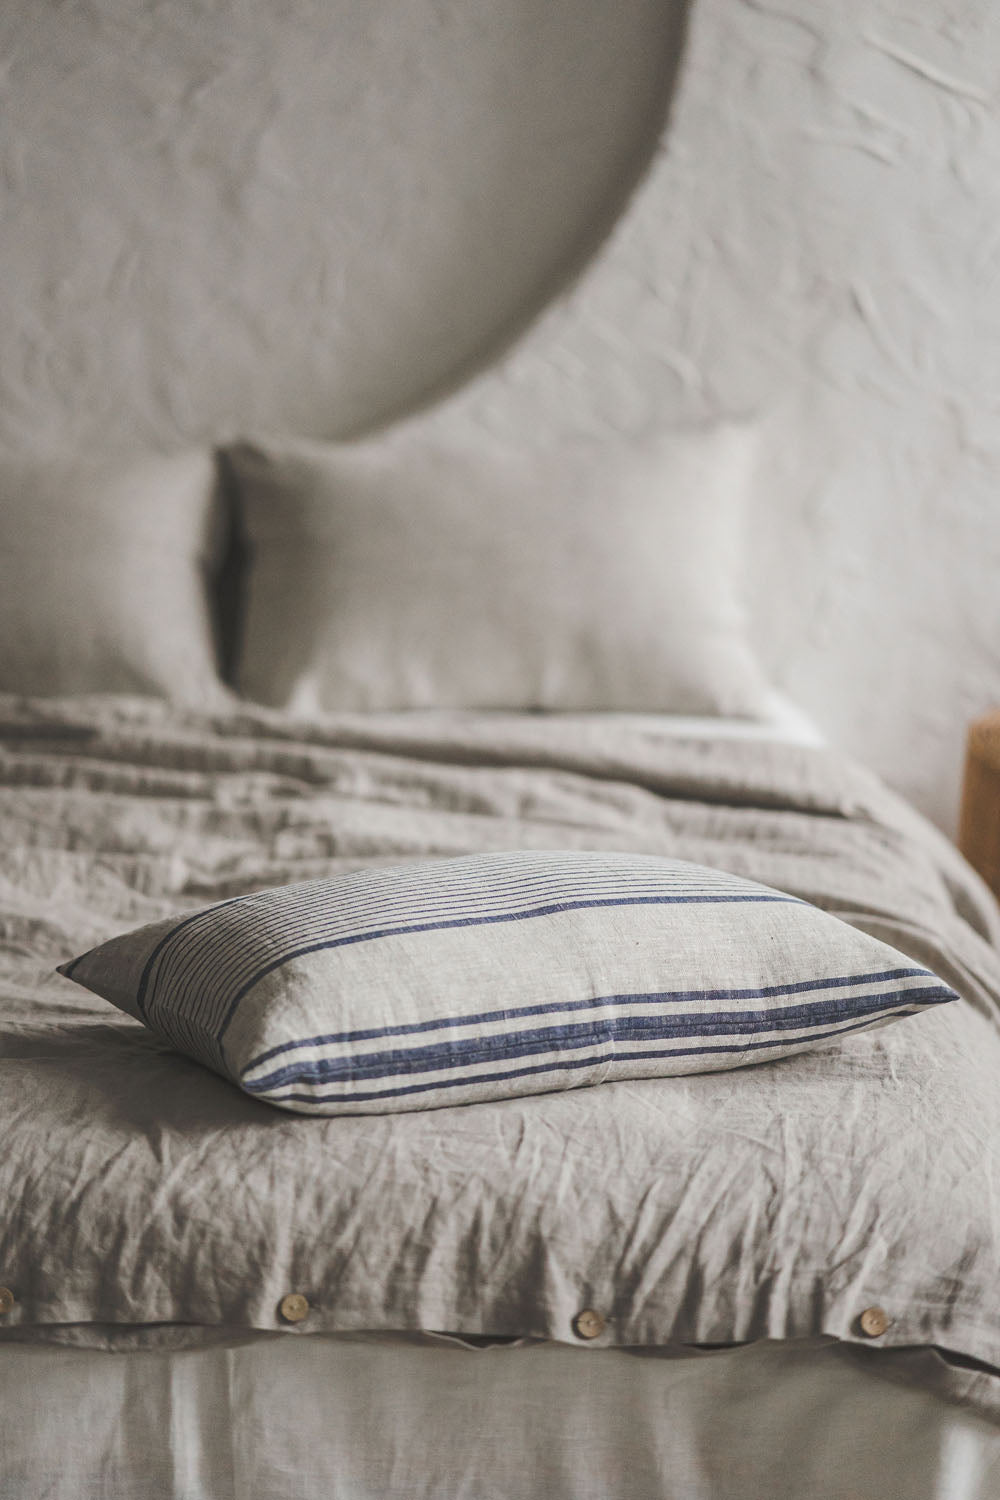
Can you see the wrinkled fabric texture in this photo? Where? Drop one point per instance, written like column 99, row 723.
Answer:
column 776, row 1202
column 388, row 1417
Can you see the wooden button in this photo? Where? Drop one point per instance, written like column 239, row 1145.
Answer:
column 874, row 1322
column 588, row 1324
column 7, row 1300
column 293, row 1307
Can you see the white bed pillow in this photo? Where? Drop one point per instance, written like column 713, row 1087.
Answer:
column 495, row 975
column 401, row 572
column 104, row 579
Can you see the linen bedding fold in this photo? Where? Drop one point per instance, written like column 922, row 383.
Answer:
column 148, row 1200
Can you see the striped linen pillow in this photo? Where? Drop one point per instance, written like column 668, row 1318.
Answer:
column 460, row 980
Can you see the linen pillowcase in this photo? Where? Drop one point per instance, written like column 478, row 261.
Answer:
column 402, row 572
column 480, row 978
column 104, row 579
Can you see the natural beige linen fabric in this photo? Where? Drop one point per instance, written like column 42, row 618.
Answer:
column 462, row 981
column 391, row 1418
column 103, row 578
column 778, row 1202
column 400, row 572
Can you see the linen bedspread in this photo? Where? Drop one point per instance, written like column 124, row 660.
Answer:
column 147, row 1200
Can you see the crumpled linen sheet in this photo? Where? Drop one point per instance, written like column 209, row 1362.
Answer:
column 150, row 1202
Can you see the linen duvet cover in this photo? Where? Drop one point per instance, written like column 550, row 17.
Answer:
column 148, row 1202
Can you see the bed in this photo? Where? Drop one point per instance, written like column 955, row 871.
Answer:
column 773, row 1280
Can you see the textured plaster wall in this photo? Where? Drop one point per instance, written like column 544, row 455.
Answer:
column 820, row 240
column 221, row 214
column 313, row 213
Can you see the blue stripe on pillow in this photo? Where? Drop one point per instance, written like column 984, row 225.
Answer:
column 304, row 908
column 482, row 1018
column 566, row 1064
column 607, row 1031
column 220, row 944
column 180, row 971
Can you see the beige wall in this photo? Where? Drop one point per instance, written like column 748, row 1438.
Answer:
column 222, row 214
